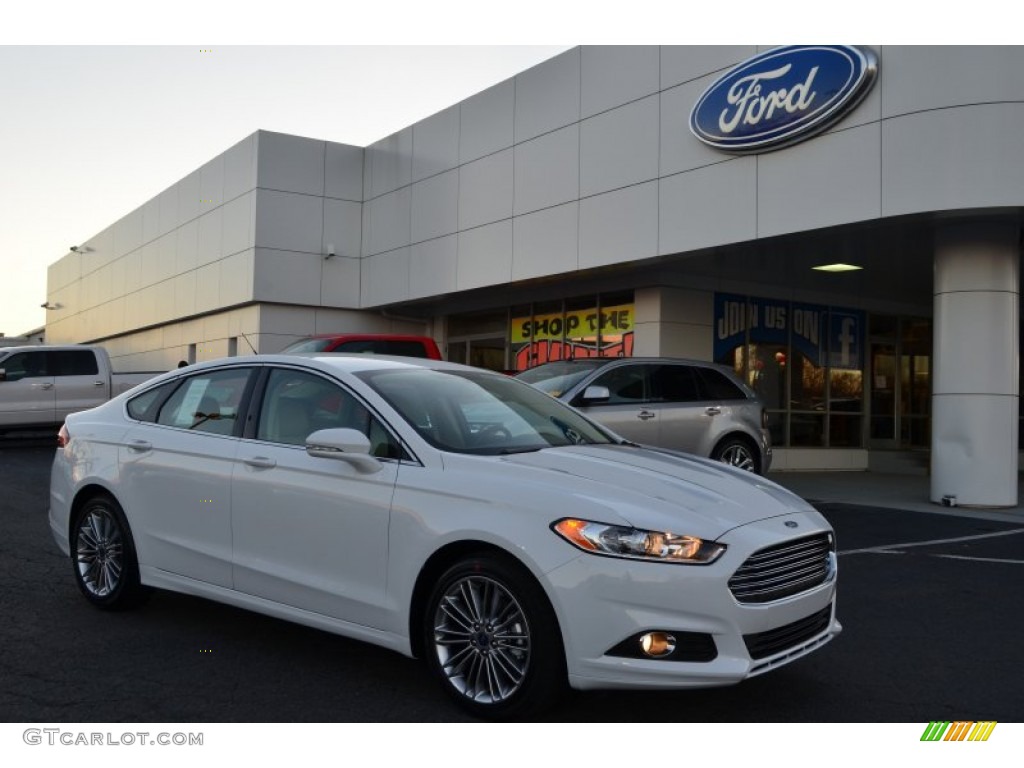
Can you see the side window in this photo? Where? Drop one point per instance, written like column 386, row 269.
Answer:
column 73, row 362
column 718, row 387
column 402, row 348
column 25, row 365
column 626, row 384
column 354, row 346
column 297, row 404
column 675, row 384
column 144, row 407
column 209, row 402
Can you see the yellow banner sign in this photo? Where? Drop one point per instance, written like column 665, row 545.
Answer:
column 611, row 321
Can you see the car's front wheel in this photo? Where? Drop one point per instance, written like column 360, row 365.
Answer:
column 493, row 639
column 103, row 555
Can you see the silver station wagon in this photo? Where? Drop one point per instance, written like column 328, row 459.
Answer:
column 684, row 405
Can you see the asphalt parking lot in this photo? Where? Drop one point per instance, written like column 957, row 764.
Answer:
column 932, row 606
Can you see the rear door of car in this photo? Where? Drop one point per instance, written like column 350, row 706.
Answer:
column 684, row 419
column 175, row 479
column 77, row 381
column 629, row 410
column 312, row 532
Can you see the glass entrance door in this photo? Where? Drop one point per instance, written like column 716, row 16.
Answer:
column 900, row 379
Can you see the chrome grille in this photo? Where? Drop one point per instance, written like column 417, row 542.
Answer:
column 784, row 569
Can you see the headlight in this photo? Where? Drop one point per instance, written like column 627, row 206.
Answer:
column 619, row 541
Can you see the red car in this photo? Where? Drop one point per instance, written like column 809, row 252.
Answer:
column 375, row 343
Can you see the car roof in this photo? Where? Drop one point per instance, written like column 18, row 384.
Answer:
column 339, row 361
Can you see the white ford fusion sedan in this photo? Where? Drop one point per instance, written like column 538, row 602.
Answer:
column 444, row 512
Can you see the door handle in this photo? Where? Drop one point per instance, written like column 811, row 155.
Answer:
column 139, row 446
column 645, row 415
column 46, row 385
column 260, row 462
column 714, row 410
column 98, row 383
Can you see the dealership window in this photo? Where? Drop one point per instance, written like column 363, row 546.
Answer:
column 805, row 361
column 527, row 335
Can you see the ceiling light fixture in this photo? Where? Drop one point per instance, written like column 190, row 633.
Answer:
column 836, row 268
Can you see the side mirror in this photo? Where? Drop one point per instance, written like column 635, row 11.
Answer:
column 595, row 394
column 3, row 374
column 348, row 445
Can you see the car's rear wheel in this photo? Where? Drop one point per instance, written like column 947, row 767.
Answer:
column 103, row 555
column 493, row 640
column 736, row 452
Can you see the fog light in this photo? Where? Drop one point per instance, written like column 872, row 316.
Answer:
column 657, row 644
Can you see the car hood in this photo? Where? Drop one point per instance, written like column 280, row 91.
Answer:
column 656, row 489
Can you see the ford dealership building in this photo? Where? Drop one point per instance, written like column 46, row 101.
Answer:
column 839, row 224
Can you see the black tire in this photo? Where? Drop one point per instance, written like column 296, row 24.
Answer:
column 737, row 452
column 103, row 556
column 492, row 639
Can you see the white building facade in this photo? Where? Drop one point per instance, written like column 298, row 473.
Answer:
column 570, row 211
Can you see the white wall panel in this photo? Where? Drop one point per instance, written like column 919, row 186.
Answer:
column 708, row 206
column 680, row 149
column 485, row 256
column 236, row 278
column 682, row 63
column 287, row 277
column 386, row 222
column 343, row 169
column 619, row 147
column 237, row 224
column 211, row 183
column 385, row 278
column 432, row 267
column 619, row 226
column 548, row 96
column 961, row 157
column 435, row 206
column 435, row 144
column 487, row 121
column 208, row 287
column 127, row 237
column 167, row 202
column 343, row 227
column 616, row 74
column 188, row 197
column 240, row 168
column 289, row 222
column 151, row 220
column 547, row 170
column 211, row 235
column 184, row 287
column 389, row 162
column 829, row 180
column 485, row 190
column 545, row 242
column 165, row 263
column 340, row 282
column 186, row 249
column 290, row 163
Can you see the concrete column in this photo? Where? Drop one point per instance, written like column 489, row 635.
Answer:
column 673, row 322
column 974, row 381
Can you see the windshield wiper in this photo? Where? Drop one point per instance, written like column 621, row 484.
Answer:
column 529, row 449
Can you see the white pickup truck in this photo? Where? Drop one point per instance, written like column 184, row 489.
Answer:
column 41, row 385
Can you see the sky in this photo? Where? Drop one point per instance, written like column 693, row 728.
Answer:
column 92, row 132
column 104, row 105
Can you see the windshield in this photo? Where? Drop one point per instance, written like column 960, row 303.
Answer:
column 479, row 412
column 557, row 378
column 308, row 345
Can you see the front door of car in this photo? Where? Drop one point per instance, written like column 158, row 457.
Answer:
column 312, row 532
column 629, row 410
column 175, row 479
column 26, row 390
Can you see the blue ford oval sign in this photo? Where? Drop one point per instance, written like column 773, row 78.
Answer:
column 782, row 96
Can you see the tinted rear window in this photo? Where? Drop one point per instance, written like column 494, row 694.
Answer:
column 718, row 387
column 309, row 345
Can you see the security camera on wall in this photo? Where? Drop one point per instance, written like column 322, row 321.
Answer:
column 330, row 252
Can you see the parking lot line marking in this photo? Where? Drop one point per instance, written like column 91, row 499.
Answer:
column 882, row 548
column 982, row 559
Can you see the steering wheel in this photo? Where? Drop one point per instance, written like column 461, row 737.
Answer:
column 492, row 433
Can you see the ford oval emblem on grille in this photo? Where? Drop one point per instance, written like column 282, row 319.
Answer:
column 782, row 96
column 791, row 524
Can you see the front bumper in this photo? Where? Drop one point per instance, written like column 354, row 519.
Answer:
column 602, row 601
